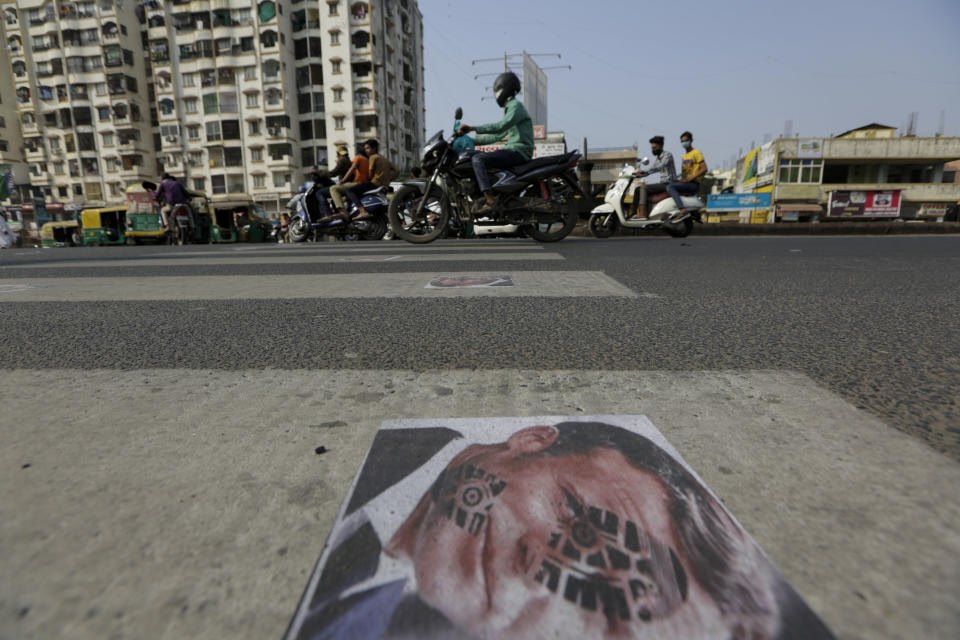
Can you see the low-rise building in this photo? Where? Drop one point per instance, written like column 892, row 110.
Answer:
column 863, row 173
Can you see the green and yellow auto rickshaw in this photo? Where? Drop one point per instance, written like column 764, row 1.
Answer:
column 66, row 233
column 104, row 226
column 143, row 217
column 145, row 223
column 240, row 220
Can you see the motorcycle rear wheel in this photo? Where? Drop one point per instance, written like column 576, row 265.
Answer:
column 681, row 230
column 403, row 209
column 603, row 225
column 376, row 230
column 564, row 194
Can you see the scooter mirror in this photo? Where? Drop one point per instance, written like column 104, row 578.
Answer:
column 458, row 114
column 644, row 160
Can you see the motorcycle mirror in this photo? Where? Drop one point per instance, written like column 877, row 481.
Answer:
column 458, row 114
column 149, row 186
column 644, row 160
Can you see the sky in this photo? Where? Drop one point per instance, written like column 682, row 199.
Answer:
column 731, row 72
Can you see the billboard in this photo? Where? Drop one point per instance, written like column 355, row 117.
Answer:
column 737, row 201
column 757, row 168
column 811, row 149
column 540, row 527
column 864, row 204
column 534, row 92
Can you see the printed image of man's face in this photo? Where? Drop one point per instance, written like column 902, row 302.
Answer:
column 509, row 543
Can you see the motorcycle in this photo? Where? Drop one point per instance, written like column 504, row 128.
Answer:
column 181, row 221
column 608, row 217
column 539, row 196
column 306, row 220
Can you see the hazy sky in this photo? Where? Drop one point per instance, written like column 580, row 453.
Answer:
column 731, row 72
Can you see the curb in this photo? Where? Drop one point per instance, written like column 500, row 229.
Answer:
column 899, row 227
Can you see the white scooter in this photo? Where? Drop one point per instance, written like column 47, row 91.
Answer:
column 606, row 218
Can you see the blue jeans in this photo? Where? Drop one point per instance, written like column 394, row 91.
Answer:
column 676, row 189
column 323, row 207
column 501, row 159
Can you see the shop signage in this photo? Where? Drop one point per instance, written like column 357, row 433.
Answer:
column 737, row 201
column 807, row 149
column 933, row 209
column 864, row 204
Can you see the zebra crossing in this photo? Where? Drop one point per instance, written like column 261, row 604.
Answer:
column 190, row 500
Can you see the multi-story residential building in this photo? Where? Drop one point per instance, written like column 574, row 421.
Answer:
column 82, row 101
column 237, row 97
column 11, row 140
column 251, row 93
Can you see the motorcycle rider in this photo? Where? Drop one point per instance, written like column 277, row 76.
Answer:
column 668, row 173
column 516, row 126
column 693, row 167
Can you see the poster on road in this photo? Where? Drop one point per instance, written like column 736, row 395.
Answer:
column 540, row 527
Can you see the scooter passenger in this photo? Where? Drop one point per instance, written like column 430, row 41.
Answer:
column 663, row 165
column 693, row 167
column 516, row 125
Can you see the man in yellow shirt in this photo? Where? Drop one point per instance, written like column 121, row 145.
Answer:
column 693, row 168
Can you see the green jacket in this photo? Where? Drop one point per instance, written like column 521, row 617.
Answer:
column 516, row 125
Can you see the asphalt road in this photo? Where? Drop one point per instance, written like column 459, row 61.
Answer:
column 872, row 319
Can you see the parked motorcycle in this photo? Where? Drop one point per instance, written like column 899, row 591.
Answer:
column 306, row 219
column 608, row 217
column 539, row 196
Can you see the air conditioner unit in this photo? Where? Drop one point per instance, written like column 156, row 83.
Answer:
column 274, row 131
column 171, row 138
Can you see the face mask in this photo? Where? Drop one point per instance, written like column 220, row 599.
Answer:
column 658, row 152
column 686, row 144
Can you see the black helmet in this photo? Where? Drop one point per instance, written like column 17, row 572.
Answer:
column 506, row 86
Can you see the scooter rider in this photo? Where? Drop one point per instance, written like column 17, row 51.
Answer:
column 693, row 167
column 516, row 126
column 668, row 173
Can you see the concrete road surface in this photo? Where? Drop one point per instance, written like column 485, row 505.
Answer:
column 162, row 405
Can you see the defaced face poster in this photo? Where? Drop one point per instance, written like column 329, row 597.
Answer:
column 542, row 527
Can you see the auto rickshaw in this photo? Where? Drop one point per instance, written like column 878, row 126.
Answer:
column 104, row 226
column 66, row 233
column 240, row 220
column 143, row 217
column 144, row 221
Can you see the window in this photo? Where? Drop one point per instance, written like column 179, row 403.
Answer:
column 256, row 155
column 228, row 103
column 210, row 103
column 193, row 131
column 59, row 170
column 62, row 191
column 800, row 171
column 338, row 122
column 213, row 131
column 219, row 184
column 199, row 184
column 189, row 79
column 190, row 105
column 250, row 73
column 335, row 66
column 233, row 156
column 259, row 181
column 253, row 127
column 100, row 88
column 108, row 139
column 334, row 8
column 253, row 100
column 334, row 37
column 103, row 113
column 338, row 94
column 230, row 129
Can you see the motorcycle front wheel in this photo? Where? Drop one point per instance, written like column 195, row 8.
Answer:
column 298, row 230
column 403, row 215
column 603, row 225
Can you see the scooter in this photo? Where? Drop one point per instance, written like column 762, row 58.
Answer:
column 608, row 217
column 306, row 221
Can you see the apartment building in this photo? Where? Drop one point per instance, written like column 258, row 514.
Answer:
column 82, row 102
column 11, row 141
column 237, row 97
column 250, row 94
